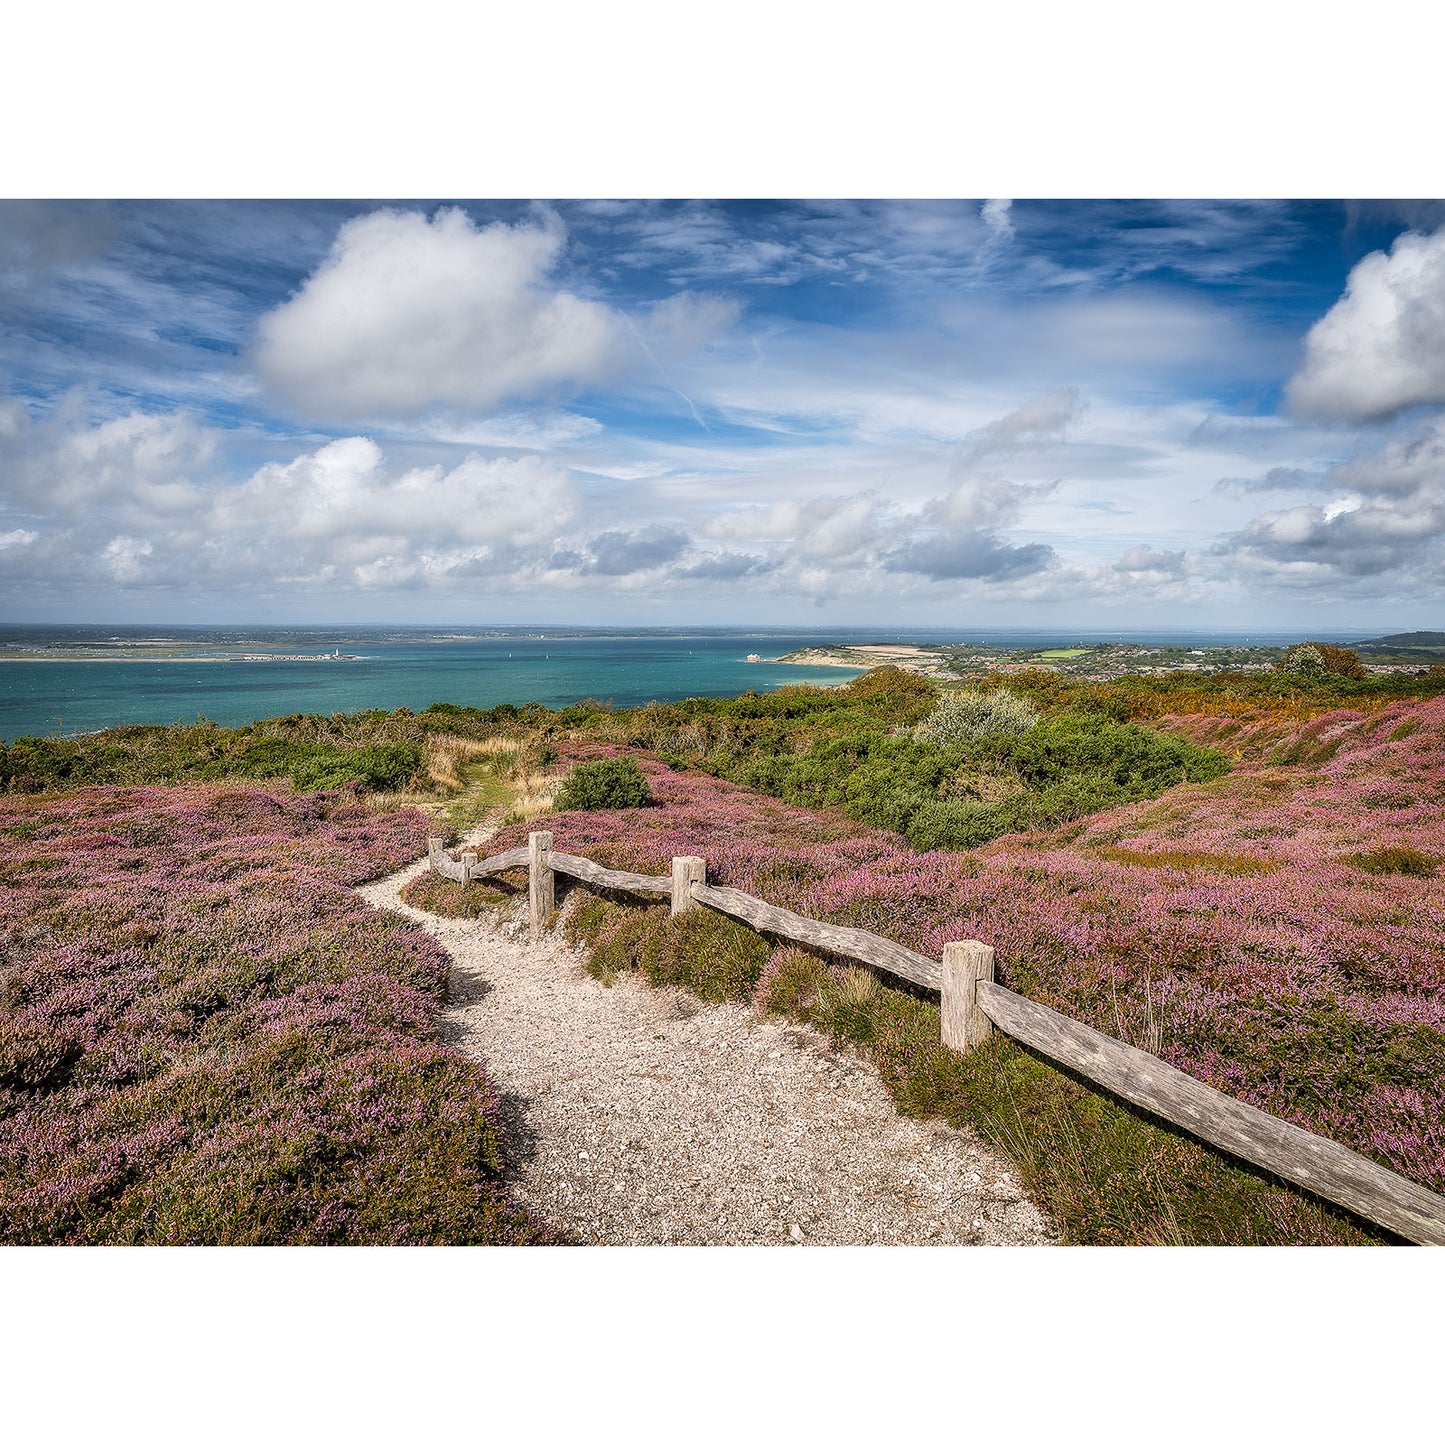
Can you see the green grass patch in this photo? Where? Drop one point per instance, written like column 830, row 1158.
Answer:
column 713, row 956
column 1409, row 861
column 489, row 783
column 1189, row 860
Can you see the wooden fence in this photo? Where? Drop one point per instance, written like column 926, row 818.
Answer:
column 973, row 1004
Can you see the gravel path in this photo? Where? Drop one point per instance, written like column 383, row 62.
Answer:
column 639, row 1115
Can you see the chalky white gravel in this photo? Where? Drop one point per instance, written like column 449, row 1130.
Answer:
column 643, row 1116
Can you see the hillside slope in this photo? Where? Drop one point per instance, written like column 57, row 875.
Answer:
column 205, row 1038
column 1278, row 933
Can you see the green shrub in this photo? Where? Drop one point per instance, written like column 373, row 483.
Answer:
column 314, row 767
column 891, row 682
column 951, row 823
column 608, row 783
column 960, row 717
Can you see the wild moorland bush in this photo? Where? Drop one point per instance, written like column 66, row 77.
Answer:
column 1000, row 761
column 207, row 1038
column 1227, row 925
column 372, row 757
column 974, row 789
column 963, row 715
column 378, row 749
column 1321, row 659
column 604, row 783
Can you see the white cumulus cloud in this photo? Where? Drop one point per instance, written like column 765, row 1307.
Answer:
column 131, row 501
column 1381, row 347
column 124, row 557
column 409, row 313
column 139, row 463
column 346, row 490
column 1385, row 521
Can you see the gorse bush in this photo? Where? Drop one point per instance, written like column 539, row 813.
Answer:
column 313, row 767
column 1322, row 660
column 960, row 717
column 891, row 683
column 374, row 750
column 605, row 783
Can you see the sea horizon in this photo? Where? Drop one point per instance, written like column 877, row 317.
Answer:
column 162, row 673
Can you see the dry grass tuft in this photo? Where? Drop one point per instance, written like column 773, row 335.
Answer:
column 1189, row 859
column 536, row 794
column 447, row 757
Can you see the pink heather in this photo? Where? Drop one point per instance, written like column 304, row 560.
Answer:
column 1315, row 991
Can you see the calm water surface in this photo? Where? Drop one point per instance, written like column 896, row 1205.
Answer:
column 205, row 676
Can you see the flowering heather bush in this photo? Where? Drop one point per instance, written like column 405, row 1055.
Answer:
column 1228, row 926
column 206, row 1038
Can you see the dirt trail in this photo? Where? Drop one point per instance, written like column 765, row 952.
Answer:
column 643, row 1116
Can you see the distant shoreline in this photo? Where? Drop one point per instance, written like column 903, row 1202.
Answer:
column 846, row 655
column 169, row 657
column 808, row 657
column 1094, row 662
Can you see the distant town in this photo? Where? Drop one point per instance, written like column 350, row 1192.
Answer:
column 1099, row 662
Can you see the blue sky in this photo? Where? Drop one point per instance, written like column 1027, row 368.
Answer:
column 1027, row 413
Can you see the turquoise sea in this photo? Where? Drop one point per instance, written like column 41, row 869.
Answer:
column 96, row 677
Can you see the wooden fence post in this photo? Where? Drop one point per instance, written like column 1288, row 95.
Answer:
column 541, row 880
column 686, row 872
column 469, row 861
column 435, row 847
column 964, row 1024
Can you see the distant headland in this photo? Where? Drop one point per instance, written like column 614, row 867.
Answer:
column 1100, row 661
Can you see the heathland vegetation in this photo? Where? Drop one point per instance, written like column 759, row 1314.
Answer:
column 1236, row 873
column 206, row 1037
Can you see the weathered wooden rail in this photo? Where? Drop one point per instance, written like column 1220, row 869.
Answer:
column 973, row 1005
